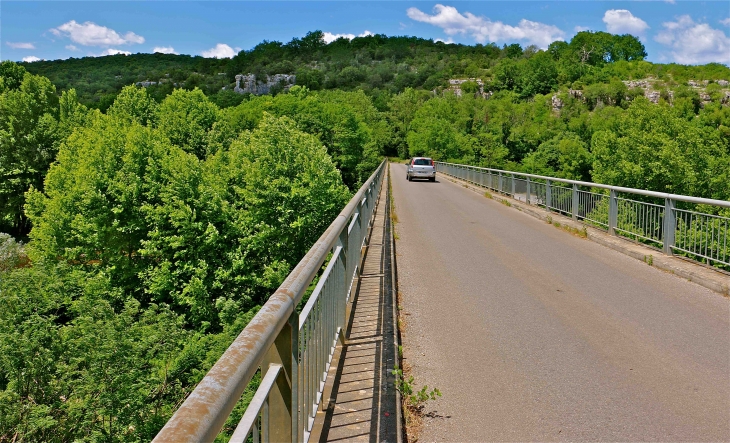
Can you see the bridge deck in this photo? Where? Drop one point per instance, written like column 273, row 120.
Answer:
column 533, row 334
column 360, row 389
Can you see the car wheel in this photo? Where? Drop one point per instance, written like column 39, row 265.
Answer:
column 432, row 179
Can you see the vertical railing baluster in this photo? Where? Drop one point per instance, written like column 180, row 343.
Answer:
column 612, row 212
column 548, row 195
column 670, row 224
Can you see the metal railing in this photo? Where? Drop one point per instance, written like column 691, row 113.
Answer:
column 293, row 351
column 677, row 224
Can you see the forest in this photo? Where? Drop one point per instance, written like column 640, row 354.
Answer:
column 142, row 228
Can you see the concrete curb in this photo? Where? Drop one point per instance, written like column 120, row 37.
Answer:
column 390, row 231
column 704, row 276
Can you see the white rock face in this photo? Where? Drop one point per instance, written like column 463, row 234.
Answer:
column 455, row 86
column 145, row 84
column 697, row 83
column 249, row 84
column 644, row 84
column 557, row 103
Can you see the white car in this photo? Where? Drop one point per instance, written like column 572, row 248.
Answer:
column 421, row 167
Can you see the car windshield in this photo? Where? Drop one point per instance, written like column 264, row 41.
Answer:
column 422, row 162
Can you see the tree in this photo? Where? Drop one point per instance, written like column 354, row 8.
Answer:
column 134, row 104
column 649, row 147
column 185, row 117
column 12, row 75
column 28, row 143
column 540, row 75
column 507, row 75
column 564, row 155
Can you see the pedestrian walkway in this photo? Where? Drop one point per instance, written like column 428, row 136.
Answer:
column 359, row 402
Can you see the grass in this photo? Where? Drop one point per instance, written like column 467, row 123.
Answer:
column 582, row 232
column 488, row 194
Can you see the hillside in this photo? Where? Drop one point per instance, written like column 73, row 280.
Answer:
column 378, row 65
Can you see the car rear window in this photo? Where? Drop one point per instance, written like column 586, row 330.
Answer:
column 422, row 162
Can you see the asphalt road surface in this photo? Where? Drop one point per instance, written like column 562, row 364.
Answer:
column 533, row 334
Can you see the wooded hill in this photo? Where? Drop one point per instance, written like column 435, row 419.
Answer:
column 377, row 64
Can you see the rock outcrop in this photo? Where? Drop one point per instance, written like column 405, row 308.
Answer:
column 249, row 84
column 455, row 87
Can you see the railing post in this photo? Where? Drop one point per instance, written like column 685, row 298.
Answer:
column 612, row 212
column 513, row 185
column 500, row 182
column 548, row 195
column 527, row 194
column 283, row 402
column 670, row 225
column 575, row 208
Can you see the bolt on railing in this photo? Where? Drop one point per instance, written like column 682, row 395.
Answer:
column 293, row 351
column 676, row 224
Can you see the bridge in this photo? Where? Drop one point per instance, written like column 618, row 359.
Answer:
column 523, row 302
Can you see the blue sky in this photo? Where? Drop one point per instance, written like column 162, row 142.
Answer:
column 673, row 31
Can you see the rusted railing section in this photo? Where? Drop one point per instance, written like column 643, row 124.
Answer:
column 293, row 351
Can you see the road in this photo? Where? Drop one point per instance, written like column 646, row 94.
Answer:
column 534, row 334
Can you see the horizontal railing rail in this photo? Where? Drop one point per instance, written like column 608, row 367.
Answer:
column 293, row 351
column 653, row 218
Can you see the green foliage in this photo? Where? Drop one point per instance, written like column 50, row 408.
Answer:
column 134, row 104
column 28, row 142
column 12, row 76
column 649, row 147
column 414, row 398
column 186, row 117
column 122, row 198
column 564, row 155
column 346, row 123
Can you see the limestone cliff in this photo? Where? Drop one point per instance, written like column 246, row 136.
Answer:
column 249, row 84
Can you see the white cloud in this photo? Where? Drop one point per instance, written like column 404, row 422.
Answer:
column 581, row 28
column 482, row 29
column 164, row 49
column 622, row 21
column 20, row 45
column 671, row 2
column 221, row 50
column 72, row 48
column 31, row 59
column 725, row 22
column 112, row 51
column 91, row 34
column 690, row 42
column 330, row 37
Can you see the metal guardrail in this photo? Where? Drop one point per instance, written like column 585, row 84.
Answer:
column 657, row 219
column 293, row 350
